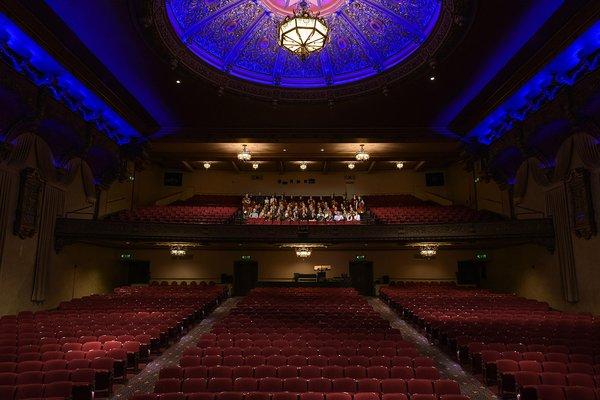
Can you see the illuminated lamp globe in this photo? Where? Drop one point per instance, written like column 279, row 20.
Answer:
column 245, row 154
column 303, row 252
column 351, row 166
column 362, row 155
column 303, row 166
column 400, row 165
column 303, row 33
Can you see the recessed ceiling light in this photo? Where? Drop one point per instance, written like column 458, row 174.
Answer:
column 303, row 166
column 255, row 165
column 351, row 166
column 432, row 78
column 284, row 149
column 178, row 82
column 322, row 149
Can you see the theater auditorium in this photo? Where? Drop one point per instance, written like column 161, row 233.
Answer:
column 299, row 200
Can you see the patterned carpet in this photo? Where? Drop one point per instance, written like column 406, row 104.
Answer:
column 143, row 382
column 469, row 385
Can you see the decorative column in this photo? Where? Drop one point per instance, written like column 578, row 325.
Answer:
column 6, row 183
column 52, row 206
column 558, row 208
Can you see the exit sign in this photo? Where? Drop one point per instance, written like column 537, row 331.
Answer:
column 481, row 256
column 126, row 256
column 246, row 258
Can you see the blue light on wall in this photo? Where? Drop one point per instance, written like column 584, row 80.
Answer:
column 580, row 57
column 28, row 58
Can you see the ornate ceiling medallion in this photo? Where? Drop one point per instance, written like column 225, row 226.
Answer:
column 237, row 44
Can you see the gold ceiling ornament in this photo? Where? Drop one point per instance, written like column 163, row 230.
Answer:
column 245, row 154
column 304, row 32
column 362, row 155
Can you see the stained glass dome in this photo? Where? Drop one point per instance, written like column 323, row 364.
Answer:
column 239, row 38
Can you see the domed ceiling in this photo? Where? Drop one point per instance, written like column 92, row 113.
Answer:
column 239, row 38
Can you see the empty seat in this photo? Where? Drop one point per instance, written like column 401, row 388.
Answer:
column 369, row 385
column 549, row 392
column 171, row 372
column 379, row 372
column 270, row 384
column 579, row 393
column 319, row 385
column 220, row 385
column 420, row 386
column 297, row 385
column 245, row 384
column 170, row 385
column 445, row 386
column 332, row 372
column 427, row 373
column 366, row 396
column 579, row 379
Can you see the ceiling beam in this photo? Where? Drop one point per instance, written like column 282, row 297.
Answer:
column 371, row 166
column 405, row 156
column 187, row 166
column 325, row 165
column 347, row 134
column 235, row 166
column 419, row 166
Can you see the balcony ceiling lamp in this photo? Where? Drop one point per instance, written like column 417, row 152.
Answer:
column 303, row 252
column 362, row 155
column 245, row 154
column 399, row 165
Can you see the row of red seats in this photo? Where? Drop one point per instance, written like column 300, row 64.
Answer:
column 431, row 214
column 177, row 214
column 301, row 385
column 320, row 315
column 307, row 372
column 64, row 343
column 263, row 221
column 557, row 392
column 210, row 200
column 472, row 324
column 295, row 396
column 38, row 391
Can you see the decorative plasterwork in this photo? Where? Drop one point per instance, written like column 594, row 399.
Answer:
column 329, row 79
column 28, row 58
column 570, row 65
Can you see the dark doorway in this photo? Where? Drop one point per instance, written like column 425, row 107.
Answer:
column 245, row 276
column 361, row 276
column 138, row 272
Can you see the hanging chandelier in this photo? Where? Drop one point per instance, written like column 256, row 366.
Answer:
column 304, row 32
column 245, row 154
column 362, row 155
column 178, row 251
column 428, row 251
column 303, row 252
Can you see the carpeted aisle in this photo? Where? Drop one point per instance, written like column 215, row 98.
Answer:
column 448, row 368
column 144, row 381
